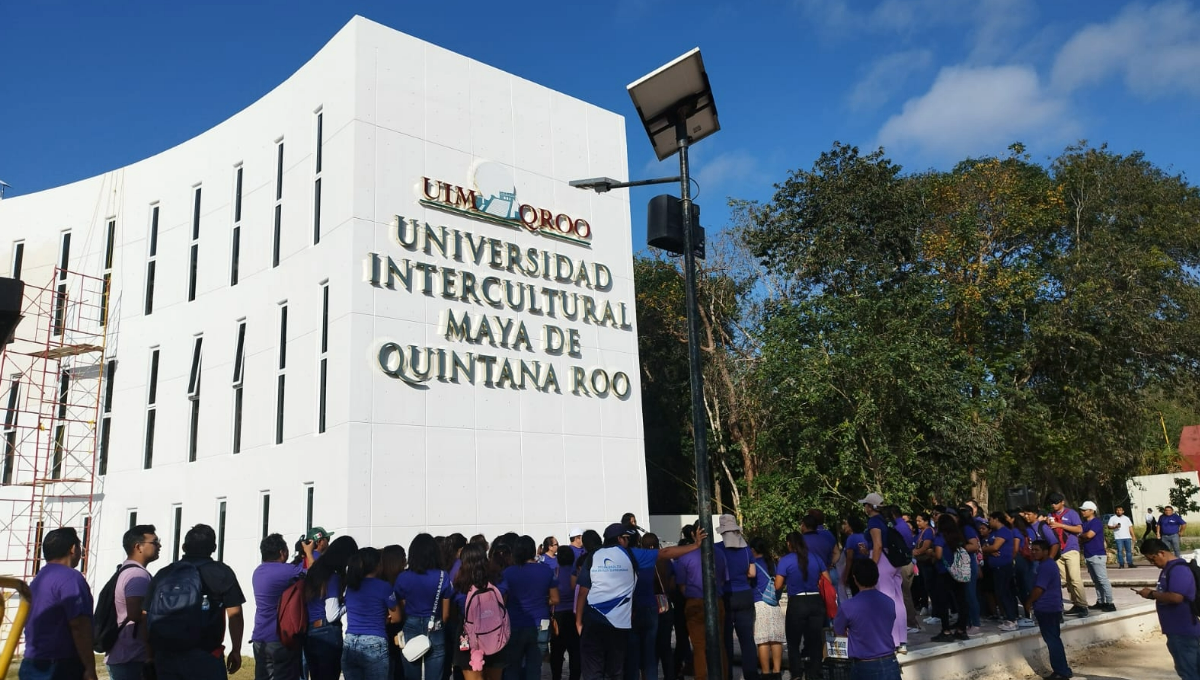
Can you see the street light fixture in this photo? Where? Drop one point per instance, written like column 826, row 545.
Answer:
column 675, row 104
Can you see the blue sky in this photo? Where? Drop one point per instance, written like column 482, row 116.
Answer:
column 87, row 87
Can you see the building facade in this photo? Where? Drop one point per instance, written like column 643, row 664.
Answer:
column 370, row 301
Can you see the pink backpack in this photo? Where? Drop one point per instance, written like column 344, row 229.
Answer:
column 485, row 620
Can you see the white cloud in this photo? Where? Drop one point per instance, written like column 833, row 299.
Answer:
column 887, row 76
column 726, row 171
column 848, row 18
column 978, row 110
column 999, row 26
column 1156, row 50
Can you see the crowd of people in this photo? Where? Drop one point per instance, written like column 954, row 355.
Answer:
column 609, row 605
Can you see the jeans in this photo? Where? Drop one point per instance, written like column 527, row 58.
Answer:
column 428, row 667
column 1125, row 552
column 195, row 664
column 1097, row 566
column 642, row 655
column 887, row 668
column 1184, row 649
column 739, row 616
column 662, row 644
column 565, row 643
column 1002, row 584
column 602, row 648
column 126, row 671
column 273, row 661
column 524, row 657
column 1172, row 541
column 1023, row 570
column 1050, row 625
column 694, row 612
column 803, row 625
column 972, row 596
column 50, row 669
column 365, row 657
column 323, row 651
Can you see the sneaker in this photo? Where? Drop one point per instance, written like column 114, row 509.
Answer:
column 1026, row 623
column 913, row 629
column 924, row 611
column 944, row 636
column 974, row 630
column 1108, row 607
column 1008, row 626
column 1077, row 611
column 962, row 636
column 932, row 621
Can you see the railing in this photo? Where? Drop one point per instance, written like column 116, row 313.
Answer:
column 18, row 622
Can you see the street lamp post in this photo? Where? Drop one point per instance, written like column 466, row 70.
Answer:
column 676, row 108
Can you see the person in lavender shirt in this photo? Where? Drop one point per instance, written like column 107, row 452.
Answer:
column 1176, row 589
column 58, row 632
column 272, row 660
column 1067, row 524
column 867, row 620
column 129, row 654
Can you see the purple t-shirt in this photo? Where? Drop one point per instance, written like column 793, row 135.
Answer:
column 419, row 591
column 367, row 608
column 1170, row 524
column 454, row 569
column 1070, row 518
column 269, row 581
column 820, row 545
column 907, row 532
column 853, row 541
column 868, row 616
column 133, row 582
column 60, row 594
column 947, row 555
column 1094, row 546
column 1176, row 619
column 875, row 522
column 737, row 564
column 566, row 592
column 1050, row 582
column 1005, row 556
column 316, row 606
column 925, row 535
column 1043, row 532
column 761, row 579
column 528, row 593
column 688, row 573
column 793, row 577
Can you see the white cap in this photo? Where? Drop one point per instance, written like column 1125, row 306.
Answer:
column 872, row 499
column 1088, row 505
column 575, row 531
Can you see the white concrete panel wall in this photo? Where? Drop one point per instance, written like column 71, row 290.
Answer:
column 395, row 460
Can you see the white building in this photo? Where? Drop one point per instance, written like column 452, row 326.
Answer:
column 407, row 357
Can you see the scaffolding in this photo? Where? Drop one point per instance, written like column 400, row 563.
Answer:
column 54, row 380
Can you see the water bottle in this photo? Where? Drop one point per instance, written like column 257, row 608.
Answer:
column 204, row 606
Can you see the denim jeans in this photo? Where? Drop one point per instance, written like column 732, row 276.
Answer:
column 1172, row 541
column 1125, row 552
column 194, row 664
column 524, row 655
column 126, row 671
column 739, row 616
column 887, row 668
column 643, row 637
column 1050, row 624
column 47, row 669
column 1184, row 649
column 323, row 651
column 365, row 657
column 273, row 661
column 1023, row 571
column 1002, row 584
column 1097, row 566
column 972, row 596
column 428, row 667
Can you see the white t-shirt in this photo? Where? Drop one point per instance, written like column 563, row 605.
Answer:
column 1120, row 524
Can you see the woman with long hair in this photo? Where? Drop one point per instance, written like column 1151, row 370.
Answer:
column 923, row 553
column 769, row 629
column 565, row 639
column 891, row 583
column 370, row 604
column 1023, row 564
column 854, row 546
column 946, row 543
column 422, row 593
column 324, row 590
column 966, row 524
column 477, row 572
column 532, row 592
column 999, row 554
column 549, row 552
column 799, row 572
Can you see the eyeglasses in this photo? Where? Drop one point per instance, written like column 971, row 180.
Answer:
column 157, row 544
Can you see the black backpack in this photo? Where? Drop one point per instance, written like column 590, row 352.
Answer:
column 1194, row 603
column 897, row 549
column 179, row 611
column 105, row 627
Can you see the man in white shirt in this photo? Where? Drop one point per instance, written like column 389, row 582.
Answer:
column 1122, row 528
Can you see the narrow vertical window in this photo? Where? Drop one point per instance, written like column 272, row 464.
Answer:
column 87, row 543
column 132, row 518
column 110, row 372
column 38, row 533
column 60, row 297
column 239, row 368
column 151, row 410
column 280, row 378
column 235, row 246
column 151, row 258
column 266, row 514
column 317, row 181
column 195, row 247
column 60, row 426
column 110, row 243
column 10, row 428
column 278, row 204
column 221, row 530
column 18, row 258
column 194, row 396
column 308, row 517
column 323, row 359
column 177, row 537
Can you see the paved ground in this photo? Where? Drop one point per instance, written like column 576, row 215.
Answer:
column 1144, row 660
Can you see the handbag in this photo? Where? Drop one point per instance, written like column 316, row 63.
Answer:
column 418, row 647
column 825, row 587
column 661, row 598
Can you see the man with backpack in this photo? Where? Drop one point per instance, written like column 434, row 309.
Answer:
column 58, row 632
column 120, row 623
column 188, row 604
column 1175, row 601
column 272, row 659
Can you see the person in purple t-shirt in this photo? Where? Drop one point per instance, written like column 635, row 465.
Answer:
column 272, row 660
column 128, row 655
column 1172, row 599
column 1067, row 524
column 324, row 591
column 532, row 594
column 867, row 620
column 58, row 632
column 1168, row 528
column 1047, row 605
column 1095, row 555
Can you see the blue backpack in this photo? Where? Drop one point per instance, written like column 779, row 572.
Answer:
column 178, row 612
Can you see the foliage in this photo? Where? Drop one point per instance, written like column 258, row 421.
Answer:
column 1183, row 496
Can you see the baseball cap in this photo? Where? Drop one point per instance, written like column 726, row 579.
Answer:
column 575, row 531
column 873, row 499
column 317, row 533
column 618, row 529
column 1088, row 505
